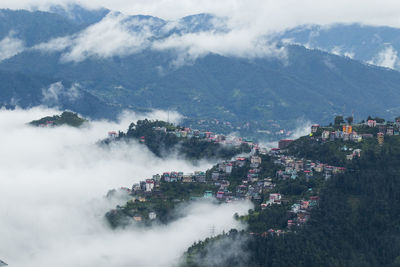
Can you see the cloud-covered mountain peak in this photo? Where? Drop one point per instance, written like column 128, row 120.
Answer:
column 79, row 14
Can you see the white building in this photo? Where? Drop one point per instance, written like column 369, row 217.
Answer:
column 149, row 185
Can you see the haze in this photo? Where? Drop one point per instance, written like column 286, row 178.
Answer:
column 51, row 197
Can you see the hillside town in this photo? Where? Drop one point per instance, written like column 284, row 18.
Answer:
column 247, row 178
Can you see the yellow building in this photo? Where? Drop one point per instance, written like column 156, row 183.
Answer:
column 381, row 138
column 347, row 129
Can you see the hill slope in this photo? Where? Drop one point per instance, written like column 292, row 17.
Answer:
column 306, row 84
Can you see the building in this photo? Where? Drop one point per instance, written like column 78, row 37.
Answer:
column 348, row 129
column 220, row 194
column 390, row 131
column 381, row 138
column 371, row 123
column 215, row 176
column 137, row 218
column 255, row 160
column 325, row 135
column 382, row 128
column 149, row 185
column 274, row 198
column 208, row 194
column 314, row 128
column 228, row 168
column 112, row 135
column 187, row 179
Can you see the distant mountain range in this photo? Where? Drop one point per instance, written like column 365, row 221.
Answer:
column 371, row 44
column 57, row 64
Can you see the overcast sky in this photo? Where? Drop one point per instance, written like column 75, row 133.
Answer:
column 272, row 12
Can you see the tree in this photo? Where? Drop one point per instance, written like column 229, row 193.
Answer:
column 339, row 120
column 349, row 119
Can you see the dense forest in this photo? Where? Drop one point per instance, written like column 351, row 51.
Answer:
column 357, row 222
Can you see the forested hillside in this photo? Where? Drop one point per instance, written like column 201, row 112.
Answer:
column 356, row 223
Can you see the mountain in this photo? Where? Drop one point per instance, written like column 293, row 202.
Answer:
column 296, row 83
column 372, row 44
column 310, row 84
column 26, row 91
column 79, row 14
column 35, row 27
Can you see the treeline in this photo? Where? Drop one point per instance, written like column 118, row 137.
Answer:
column 357, row 222
column 163, row 143
column 66, row 118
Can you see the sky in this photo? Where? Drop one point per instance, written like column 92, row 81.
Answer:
column 263, row 12
column 52, row 204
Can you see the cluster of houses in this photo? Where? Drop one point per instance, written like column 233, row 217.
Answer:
column 294, row 167
column 206, row 135
column 252, row 186
column 301, row 211
column 348, row 134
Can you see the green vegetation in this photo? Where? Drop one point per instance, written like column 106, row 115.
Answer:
column 163, row 142
column 66, row 118
column 165, row 202
column 355, row 224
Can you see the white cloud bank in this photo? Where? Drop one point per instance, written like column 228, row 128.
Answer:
column 51, row 205
column 10, row 46
column 387, row 58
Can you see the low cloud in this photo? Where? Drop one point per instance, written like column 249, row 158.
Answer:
column 191, row 46
column 51, row 197
column 303, row 128
column 337, row 50
column 55, row 91
column 387, row 58
column 10, row 46
column 230, row 250
column 110, row 37
column 121, row 35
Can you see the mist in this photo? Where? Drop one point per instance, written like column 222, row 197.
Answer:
column 52, row 205
column 249, row 28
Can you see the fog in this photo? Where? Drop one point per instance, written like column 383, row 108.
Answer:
column 52, row 187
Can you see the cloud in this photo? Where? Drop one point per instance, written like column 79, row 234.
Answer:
column 229, row 249
column 189, row 47
column 110, row 37
column 387, row 57
column 302, row 128
column 54, row 45
column 121, row 35
column 10, row 46
column 337, row 50
column 247, row 25
column 56, row 90
column 51, row 197
column 114, row 35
